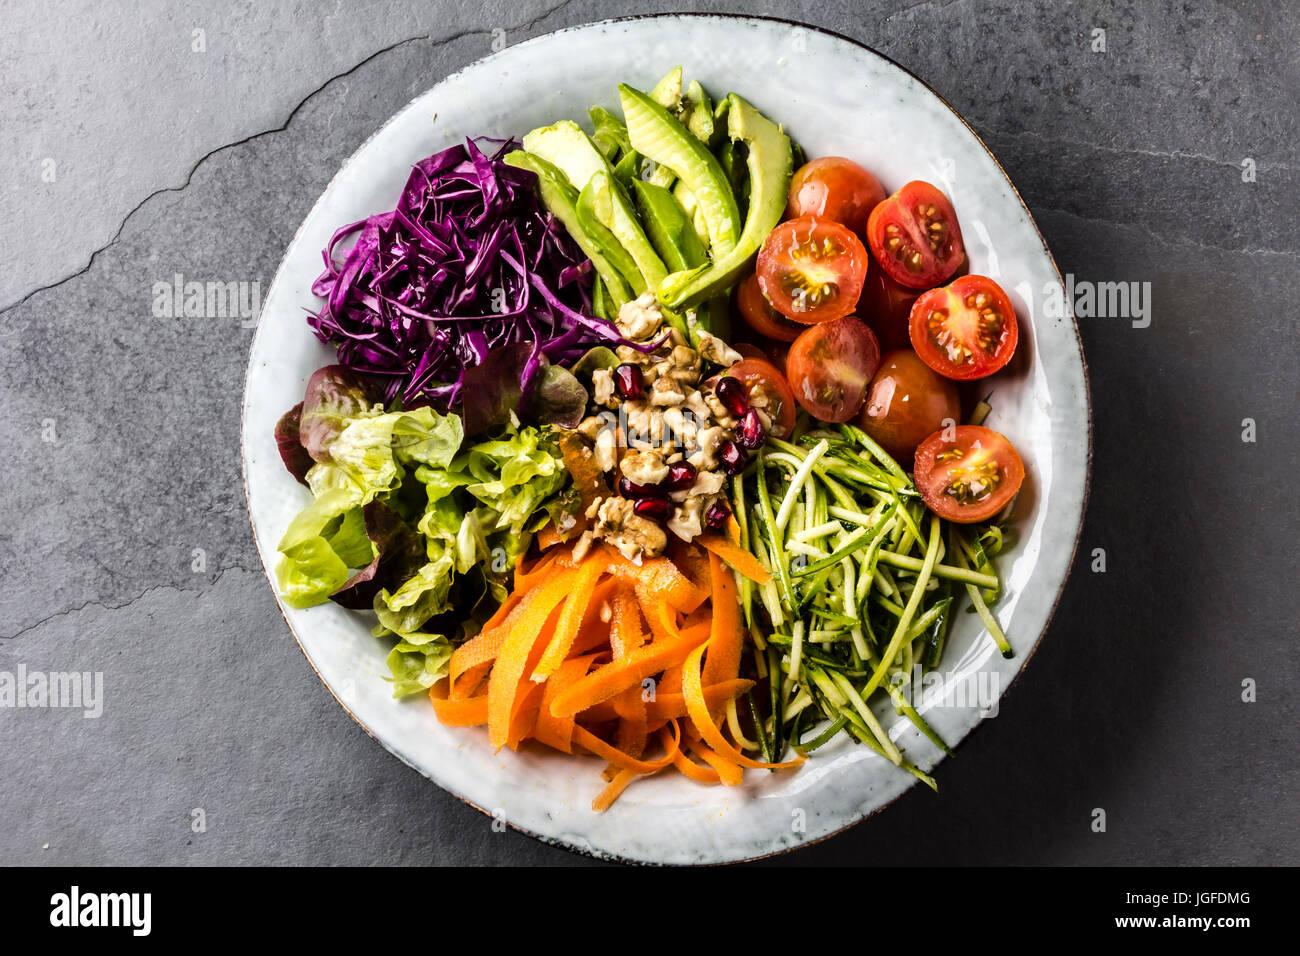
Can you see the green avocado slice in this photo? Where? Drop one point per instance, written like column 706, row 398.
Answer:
column 657, row 134
column 559, row 196
column 580, row 159
column 771, row 163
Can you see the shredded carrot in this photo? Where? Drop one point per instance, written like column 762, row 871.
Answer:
column 699, row 712
column 608, row 658
column 617, row 676
column 524, row 722
column 594, row 632
column 484, row 646
column 566, row 631
column 527, row 578
column 693, row 771
column 658, row 577
column 729, row 774
column 465, row 685
column 736, row 556
column 512, row 661
column 588, row 478
column 615, row 756
column 722, row 662
column 659, row 615
column 668, row 704
column 457, row 713
column 557, row 732
column 631, row 707
column 625, row 634
column 613, row 790
column 548, row 537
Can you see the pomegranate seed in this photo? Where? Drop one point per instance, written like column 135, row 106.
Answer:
column 732, row 458
column 628, row 381
column 630, row 489
column 656, row 509
column 732, row 394
column 681, row 476
column 717, row 514
column 750, row 432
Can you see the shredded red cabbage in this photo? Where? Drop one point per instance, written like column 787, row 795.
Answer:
column 469, row 261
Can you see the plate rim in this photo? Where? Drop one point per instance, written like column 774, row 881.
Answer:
column 591, row 852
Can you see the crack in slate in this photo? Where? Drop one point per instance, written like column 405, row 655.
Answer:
column 196, row 591
column 441, row 41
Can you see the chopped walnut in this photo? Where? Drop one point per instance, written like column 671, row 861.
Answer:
column 708, row 440
column 640, row 319
column 606, row 449
column 644, row 467
column 717, row 351
column 633, row 535
column 707, row 484
column 602, row 388
column 687, row 521
column 665, row 392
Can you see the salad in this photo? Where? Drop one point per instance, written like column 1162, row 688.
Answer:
column 655, row 442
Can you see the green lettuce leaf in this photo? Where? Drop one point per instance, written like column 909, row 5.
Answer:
column 407, row 609
column 515, row 476
column 417, row 667
column 350, row 542
column 309, row 572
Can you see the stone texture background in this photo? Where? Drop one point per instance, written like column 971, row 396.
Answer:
column 169, row 160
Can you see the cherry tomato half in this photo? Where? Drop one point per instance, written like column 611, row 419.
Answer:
column 811, row 269
column 968, row 473
column 915, row 237
column 760, row 315
column 907, row 402
column 837, row 189
column 830, row 367
column 886, row 306
column 768, row 386
column 966, row 329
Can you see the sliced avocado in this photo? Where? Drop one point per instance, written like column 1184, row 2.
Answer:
column 600, row 304
column 668, row 94
column 628, row 169
column 718, row 310
column 800, row 157
column 559, row 196
column 770, row 162
column 697, row 111
column 657, row 134
column 668, row 227
column 671, row 234
column 686, row 199
column 593, row 213
column 731, row 156
column 572, row 150
column 661, row 176
column 668, row 91
column 609, row 134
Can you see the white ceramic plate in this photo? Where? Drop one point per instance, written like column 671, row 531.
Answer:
column 894, row 125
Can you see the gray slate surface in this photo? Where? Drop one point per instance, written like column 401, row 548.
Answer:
column 171, row 161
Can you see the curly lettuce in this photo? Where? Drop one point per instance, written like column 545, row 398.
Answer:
column 409, row 521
